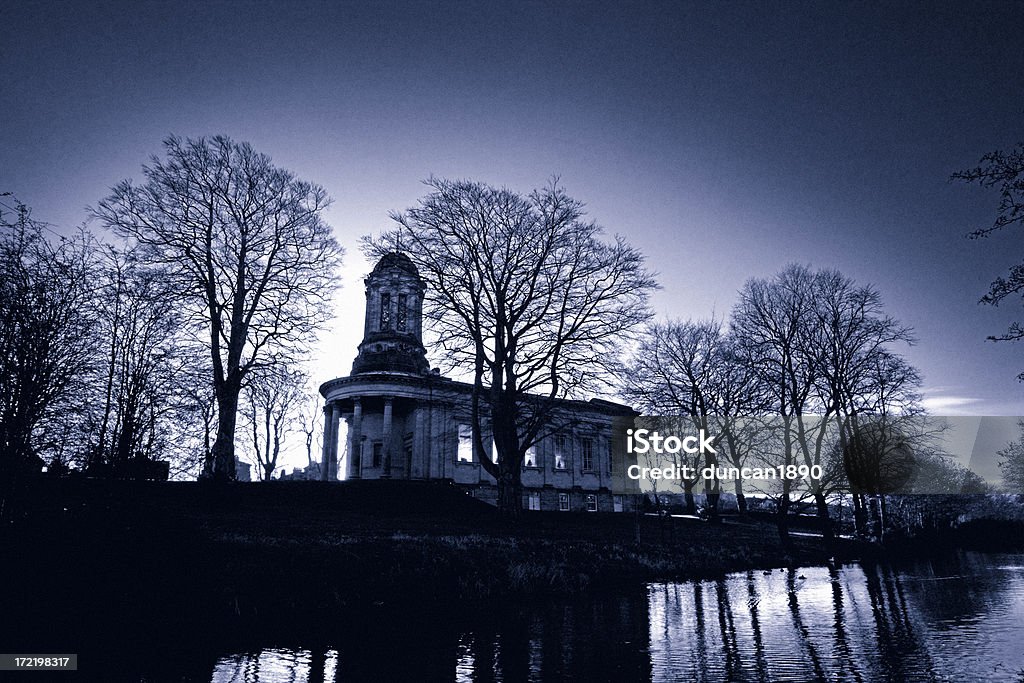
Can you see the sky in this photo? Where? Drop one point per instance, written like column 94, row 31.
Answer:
column 724, row 140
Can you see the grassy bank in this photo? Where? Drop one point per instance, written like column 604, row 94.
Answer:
column 290, row 550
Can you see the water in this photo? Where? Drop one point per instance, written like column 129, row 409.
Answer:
column 960, row 618
column 931, row 621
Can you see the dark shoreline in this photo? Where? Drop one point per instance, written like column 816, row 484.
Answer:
column 262, row 555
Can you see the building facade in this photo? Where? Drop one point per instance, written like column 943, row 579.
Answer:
column 405, row 421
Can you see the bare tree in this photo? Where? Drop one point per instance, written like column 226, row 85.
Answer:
column 245, row 244
column 272, row 398
column 310, row 417
column 45, row 342
column 1003, row 171
column 1011, row 463
column 770, row 324
column 858, row 372
column 691, row 369
column 137, row 408
column 525, row 298
column 822, row 347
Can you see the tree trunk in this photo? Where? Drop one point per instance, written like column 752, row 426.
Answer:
column 824, row 518
column 691, row 506
column 741, row 500
column 782, row 518
column 510, row 492
column 713, row 491
column 222, row 461
column 882, row 514
column 859, row 516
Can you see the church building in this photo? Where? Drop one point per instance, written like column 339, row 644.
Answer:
column 406, row 421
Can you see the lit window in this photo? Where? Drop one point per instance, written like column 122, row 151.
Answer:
column 563, row 502
column 560, row 454
column 591, row 502
column 530, row 458
column 494, row 452
column 465, row 453
column 588, row 454
column 385, row 311
column 400, row 313
column 533, row 500
column 617, row 503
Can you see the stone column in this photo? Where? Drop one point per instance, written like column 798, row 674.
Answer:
column 386, row 436
column 419, row 454
column 355, row 452
column 335, row 433
column 325, row 458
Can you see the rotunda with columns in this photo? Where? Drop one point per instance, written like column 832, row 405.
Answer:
column 405, row 421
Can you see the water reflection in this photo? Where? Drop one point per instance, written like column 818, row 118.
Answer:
column 940, row 620
column 929, row 621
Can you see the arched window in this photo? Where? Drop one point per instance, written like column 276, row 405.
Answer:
column 400, row 313
column 385, row 311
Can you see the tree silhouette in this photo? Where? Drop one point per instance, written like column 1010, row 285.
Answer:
column 46, row 330
column 272, row 399
column 1012, row 463
column 1003, row 171
column 691, row 369
column 523, row 297
column 246, row 247
column 821, row 347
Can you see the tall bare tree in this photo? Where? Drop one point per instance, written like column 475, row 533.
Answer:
column 770, row 323
column 822, row 346
column 859, row 374
column 245, row 243
column 1003, row 171
column 525, row 299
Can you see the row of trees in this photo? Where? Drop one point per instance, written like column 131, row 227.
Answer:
column 806, row 372
column 151, row 344
column 526, row 300
column 224, row 267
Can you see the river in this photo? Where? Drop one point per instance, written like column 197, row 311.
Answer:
column 956, row 618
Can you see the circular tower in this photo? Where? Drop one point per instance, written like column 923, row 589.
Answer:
column 392, row 330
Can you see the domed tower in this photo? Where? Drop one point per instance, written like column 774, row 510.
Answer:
column 392, row 331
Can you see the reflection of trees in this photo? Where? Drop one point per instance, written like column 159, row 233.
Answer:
column 801, row 627
column 846, row 660
column 701, row 628
column 598, row 638
column 728, row 629
column 760, row 661
column 863, row 625
column 317, row 666
column 902, row 653
column 960, row 588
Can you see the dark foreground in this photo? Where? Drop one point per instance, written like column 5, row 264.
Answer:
column 97, row 566
column 297, row 547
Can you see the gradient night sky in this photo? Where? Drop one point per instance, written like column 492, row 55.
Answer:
column 724, row 140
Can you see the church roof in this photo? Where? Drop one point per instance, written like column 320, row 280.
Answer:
column 395, row 259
